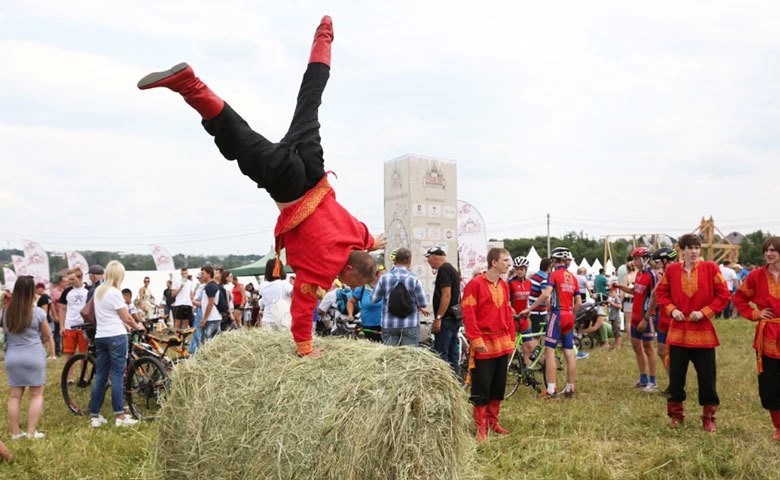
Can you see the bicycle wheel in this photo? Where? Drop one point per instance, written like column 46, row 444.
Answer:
column 514, row 374
column 76, row 382
column 145, row 386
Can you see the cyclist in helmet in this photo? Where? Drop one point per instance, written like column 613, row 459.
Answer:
column 642, row 331
column 662, row 258
column 563, row 292
column 519, row 291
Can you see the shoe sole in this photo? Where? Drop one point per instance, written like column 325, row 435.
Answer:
column 154, row 77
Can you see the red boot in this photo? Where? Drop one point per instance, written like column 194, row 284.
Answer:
column 493, row 408
column 323, row 37
column 708, row 418
column 181, row 79
column 775, row 414
column 676, row 414
column 480, row 420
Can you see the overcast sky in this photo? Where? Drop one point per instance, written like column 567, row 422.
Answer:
column 614, row 117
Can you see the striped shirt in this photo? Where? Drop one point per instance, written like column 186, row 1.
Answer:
column 386, row 283
column 538, row 284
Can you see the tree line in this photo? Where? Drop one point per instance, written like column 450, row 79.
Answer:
column 592, row 249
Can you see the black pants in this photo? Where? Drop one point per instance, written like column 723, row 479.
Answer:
column 488, row 380
column 703, row 360
column 769, row 384
column 287, row 169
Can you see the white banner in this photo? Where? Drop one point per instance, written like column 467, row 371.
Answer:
column 10, row 278
column 37, row 261
column 162, row 259
column 472, row 240
column 20, row 265
column 75, row 259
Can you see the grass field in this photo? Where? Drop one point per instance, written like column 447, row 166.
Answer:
column 609, row 431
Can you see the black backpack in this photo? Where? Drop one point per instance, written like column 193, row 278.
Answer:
column 399, row 303
column 222, row 305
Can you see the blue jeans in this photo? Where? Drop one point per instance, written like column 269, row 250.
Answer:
column 398, row 337
column 446, row 344
column 111, row 360
column 197, row 337
column 212, row 330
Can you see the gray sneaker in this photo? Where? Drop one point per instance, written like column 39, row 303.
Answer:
column 650, row 388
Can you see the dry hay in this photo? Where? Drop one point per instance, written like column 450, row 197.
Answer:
column 246, row 407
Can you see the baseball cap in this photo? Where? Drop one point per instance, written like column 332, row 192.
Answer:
column 435, row 250
column 95, row 270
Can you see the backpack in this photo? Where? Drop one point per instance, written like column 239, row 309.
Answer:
column 399, row 302
column 342, row 298
column 222, row 305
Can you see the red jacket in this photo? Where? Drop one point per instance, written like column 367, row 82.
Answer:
column 704, row 290
column 761, row 288
column 487, row 316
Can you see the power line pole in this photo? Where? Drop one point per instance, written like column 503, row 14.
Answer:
column 548, row 235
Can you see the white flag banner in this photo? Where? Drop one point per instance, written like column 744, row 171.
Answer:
column 162, row 259
column 37, row 261
column 10, row 278
column 75, row 259
column 20, row 265
column 472, row 240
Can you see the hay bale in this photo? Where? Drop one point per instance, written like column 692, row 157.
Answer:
column 247, row 407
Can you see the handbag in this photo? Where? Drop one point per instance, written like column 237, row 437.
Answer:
column 88, row 311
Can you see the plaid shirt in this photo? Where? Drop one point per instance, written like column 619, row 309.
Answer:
column 386, row 283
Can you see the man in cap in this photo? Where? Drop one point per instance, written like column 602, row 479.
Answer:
column 96, row 273
column 446, row 295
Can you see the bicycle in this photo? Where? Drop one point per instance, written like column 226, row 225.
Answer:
column 519, row 373
column 145, row 377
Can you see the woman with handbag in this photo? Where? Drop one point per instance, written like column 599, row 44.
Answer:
column 26, row 329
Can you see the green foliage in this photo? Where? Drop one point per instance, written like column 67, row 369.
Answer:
column 750, row 248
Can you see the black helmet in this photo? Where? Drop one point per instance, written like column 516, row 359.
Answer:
column 665, row 253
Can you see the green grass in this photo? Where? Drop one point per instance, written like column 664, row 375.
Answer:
column 609, row 431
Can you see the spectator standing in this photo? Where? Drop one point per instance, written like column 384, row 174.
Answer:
column 209, row 296
column 44, row 303
column 56, row 294
column 490, row 330
column 692, row 292
column 399, row 331
column 275, row 289
column 169, row 299
column 370, row 312
column 72, row 301
column 582, row 281
column 112, row 320
column 182, row 304
column 446, row 295
column 146, row 300
column 732, row 283
column 601, row 283
column 239, row 296
column 26, row 329
column 96, row 273
column 758, row 300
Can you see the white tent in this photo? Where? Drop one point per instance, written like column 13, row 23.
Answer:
column 572, row 266
column 596, row 267
column 610, row 268
column 534, row 258
column 584, row 264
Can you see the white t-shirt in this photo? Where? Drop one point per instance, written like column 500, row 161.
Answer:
column 271, row 293
column 730, row 276
column 76, row 298
column 185, row 290
column 211, row 289
column 109, row 324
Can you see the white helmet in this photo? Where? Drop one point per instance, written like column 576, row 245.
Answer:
column 561, row 253
column 521, row 262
